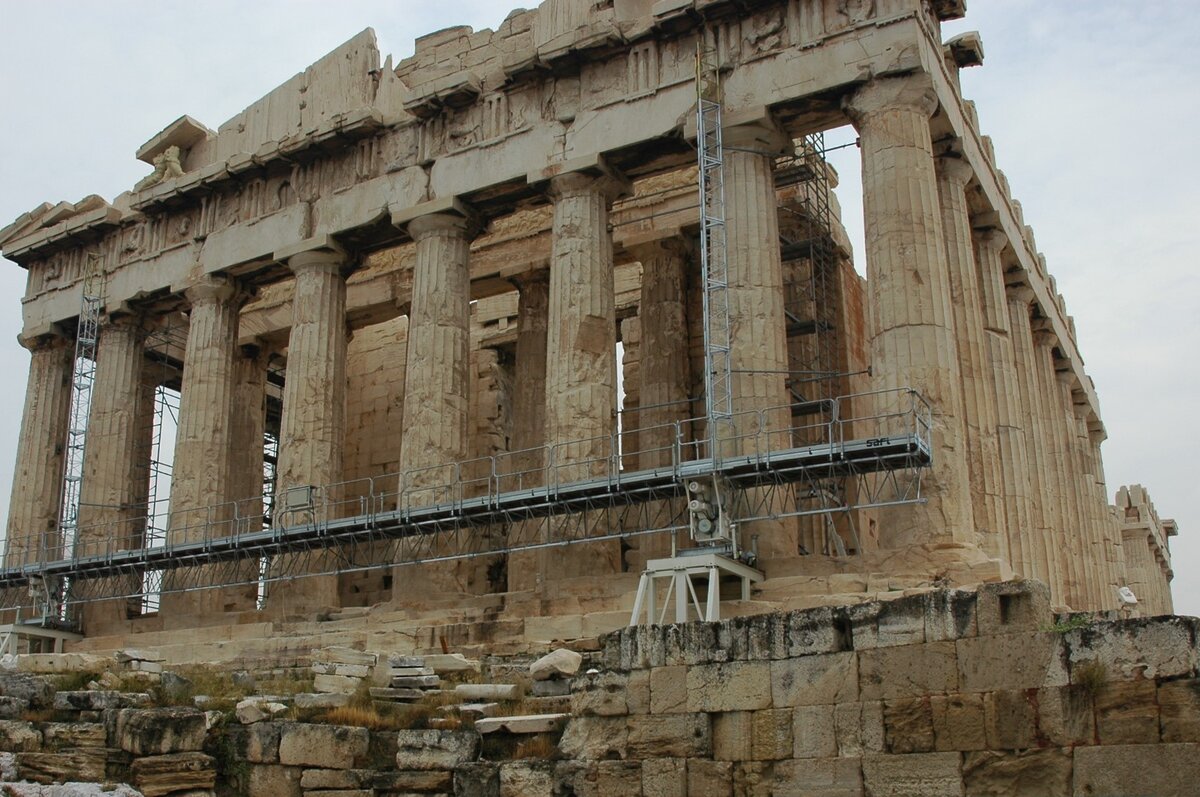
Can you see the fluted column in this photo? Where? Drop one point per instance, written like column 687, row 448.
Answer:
column 759, row 354
column 201, row 484
column 978, row 404
column 312, row 427
column 528, row 419
column 1110, row 528
column 912, row 335
column 581, row 362
column 436, row 398
column 38, row 473
column 581, row 356
column 1099, row 576
column 1042, row 554
column 664, row 369
column 112, row 511
column 1001, row 378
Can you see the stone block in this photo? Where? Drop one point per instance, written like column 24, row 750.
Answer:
column 908, row 671
column 32, row 688
column 344, row 655
column 767, row 636
column 317, row 700
column 338, row 684
column 951, row 614
column 489, row 692
column 771, row 734
column 859, row 728
column 669, row 735
column 594, row 738
column 261, row 742
column 1010, row 720
column 664, row 777
column 409, row 781
column 815, row 680
column 155, row 776
column 990, row 773
column 819, row 630
column 158, row 731
column 70, row 765
column 478, row 779
column 908, row 725
column 732, row 739
column 668, row 690
column 709, row 778
column 19, row 737
column 637, row 692
column 1156, row 647
column 60, row 663
column 814, row 732
column 888, row 623
column 12, row 708
column 526, row 779
column 551, row 688
column 524, row 723
column 93, row 700
column 1162, row 770
column 818, row 777
column 450, row 662
column 1026, row 660
column 918, row 775
column 561, row 663
column 600, row 694
column 1010, row 606
column 435, row 749
column 1127, row 713
column 1066, row 716
column 331, row 779
column 321, row 746
column 729, row 686
column 265, row 780
column 1179, row 710
column 700, row 643
column 958, row 722
column 62, row 735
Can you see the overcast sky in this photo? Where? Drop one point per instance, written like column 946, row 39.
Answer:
column 1093, row 106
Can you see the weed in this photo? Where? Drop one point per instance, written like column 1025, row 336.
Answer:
column 361, row 717
column 74, row 681
column 1072, row 623
column 1091, row 676
column 540, row 746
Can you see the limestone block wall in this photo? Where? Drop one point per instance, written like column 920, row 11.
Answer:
column 942, row 692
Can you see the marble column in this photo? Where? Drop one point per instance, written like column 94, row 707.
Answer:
column 437, row 397
column 1090, row 501
column 525, row 568
column 201, row 483
column 112, row 511
column 978, row 402
column 631, row 401
column 246, row 463
column 38, row 473
column 912, row 324
column 1110, row 529
column 665, row 377
column 312, row 427
column 1042, row 554
column 1001, row 378
column 581, row 358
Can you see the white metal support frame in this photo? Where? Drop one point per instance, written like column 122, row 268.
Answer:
column 679, row 572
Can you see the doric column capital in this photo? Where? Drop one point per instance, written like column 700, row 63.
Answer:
column 442, row 224
column 762, row 135
column 446, row 214
column 675, row 246
column 1019, row 294
column 214, row 289
column 911, row 92
column 954, row 169
column 991, row 240
column 533, row 280
column 40, row 343
column 575, row 184
column 322, row 253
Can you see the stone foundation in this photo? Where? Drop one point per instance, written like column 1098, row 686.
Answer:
column 940, row 692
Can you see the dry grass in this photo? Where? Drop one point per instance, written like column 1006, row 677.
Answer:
column 541, row 746
column 39, row 715
column 359, row 717
column 1091, row 676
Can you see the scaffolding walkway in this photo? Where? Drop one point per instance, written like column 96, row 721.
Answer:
column 488, row 507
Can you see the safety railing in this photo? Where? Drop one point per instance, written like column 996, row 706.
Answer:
column 754, row 440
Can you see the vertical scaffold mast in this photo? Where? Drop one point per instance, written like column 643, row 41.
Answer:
column 718, row 381
column 83, row 378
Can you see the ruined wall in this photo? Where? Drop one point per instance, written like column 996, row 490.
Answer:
column 945, row 692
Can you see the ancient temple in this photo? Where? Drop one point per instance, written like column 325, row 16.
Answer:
column 438, row 340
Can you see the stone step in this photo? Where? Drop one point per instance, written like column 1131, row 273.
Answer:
column 527, row 723
column 481, row 692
